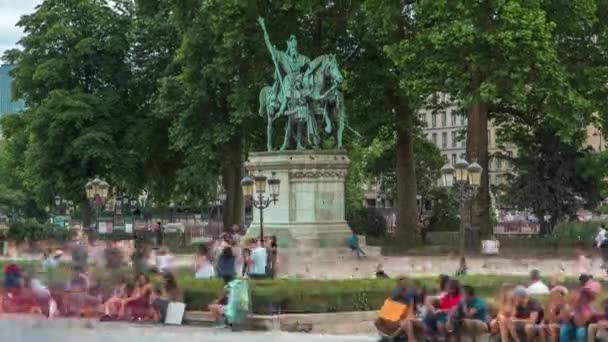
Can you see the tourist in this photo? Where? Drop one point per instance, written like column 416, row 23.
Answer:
column 79, row 252
column 583, row 279
column 77, row 292
column 170, row 293
column 601, row 243
column 554, row 306
column 50, row 260
column 528, row 313
column 164, row 259
column 226, row 265
column 472, row 315
column 436, row 320
column 113, row 256
column 112, row 305
column 395, row 319
column 247, row 262
column 236, row 234
column 217, row 308
column 203, row 269
column 537, row 287
column 600, row 328
column 505, row 308
column 579, row 314
column 259, row 258
column 273, row 256
column 137, row 305
column 353, row 244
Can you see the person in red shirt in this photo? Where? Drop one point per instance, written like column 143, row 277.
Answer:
column 436, row 320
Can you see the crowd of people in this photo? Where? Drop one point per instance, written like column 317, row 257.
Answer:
column 103, row 282
column 456, row 311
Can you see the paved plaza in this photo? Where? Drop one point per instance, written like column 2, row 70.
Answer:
column 27, row 329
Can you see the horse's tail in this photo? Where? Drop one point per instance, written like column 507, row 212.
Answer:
column 343, row 118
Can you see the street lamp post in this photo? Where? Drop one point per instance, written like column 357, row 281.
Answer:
column 468, row 180
column 97, row 191
column 257, row 185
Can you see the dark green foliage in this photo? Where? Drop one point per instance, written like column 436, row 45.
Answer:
column 366, row 221
column 34, row 231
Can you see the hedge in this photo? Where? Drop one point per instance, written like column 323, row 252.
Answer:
column 311, row 296
column 322, row 296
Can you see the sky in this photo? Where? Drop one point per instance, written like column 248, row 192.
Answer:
column 10, row 12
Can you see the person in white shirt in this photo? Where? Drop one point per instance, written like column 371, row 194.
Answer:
column 537, row 287
column 600, row 244
column 259, row 258
column 164, row 260
column 600, row 237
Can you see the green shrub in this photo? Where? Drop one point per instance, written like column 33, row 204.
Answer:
column 35, row 231
column 366, row 221
column 575, row 232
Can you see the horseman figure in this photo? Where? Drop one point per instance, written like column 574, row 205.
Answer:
column 306, row 92
column 290, row 65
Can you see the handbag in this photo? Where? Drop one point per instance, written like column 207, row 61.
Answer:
column 393, row 311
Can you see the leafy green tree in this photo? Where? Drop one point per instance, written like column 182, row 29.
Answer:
column 73, row 75
column 154, row 39
column 555, row 177
column 479, row 53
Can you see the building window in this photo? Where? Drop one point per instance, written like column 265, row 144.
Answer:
column 444, row 119
column 454, row 140
column 453, row 158
column 433, row 120
column 444, row 139
column 454, row 120
column 498, row 164
column 435, row 139
column 463, row 120
column 510, row 155
column 371, row 203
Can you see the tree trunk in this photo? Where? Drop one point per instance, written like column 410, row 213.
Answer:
column 232, row 174
column 406, row 177
column 477, row 150
column 88, row 216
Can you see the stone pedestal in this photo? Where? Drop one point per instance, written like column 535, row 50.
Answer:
column 310, row 207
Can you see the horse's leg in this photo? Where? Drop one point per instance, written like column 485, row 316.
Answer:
column 339, row 110
column 287, row 134
column 268, row 131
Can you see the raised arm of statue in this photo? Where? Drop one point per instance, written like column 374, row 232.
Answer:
column 269, row 45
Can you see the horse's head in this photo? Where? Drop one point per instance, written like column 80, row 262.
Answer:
column 332, row 69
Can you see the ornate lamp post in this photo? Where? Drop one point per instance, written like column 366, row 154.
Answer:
column 468, row 180
column 257, row 185
column 97, row 193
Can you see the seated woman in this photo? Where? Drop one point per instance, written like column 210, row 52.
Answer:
column 169, row 292
column 112, row 305
column 218, row 307
column 577, row 315
column 505, row 308
column 436, row 320
column 137, row 306
column 549, row 328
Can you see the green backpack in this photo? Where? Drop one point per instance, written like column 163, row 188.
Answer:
column 238, row 306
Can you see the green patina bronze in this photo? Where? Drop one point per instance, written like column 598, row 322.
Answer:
column 306, row 92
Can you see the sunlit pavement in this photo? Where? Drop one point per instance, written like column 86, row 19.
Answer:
column 28, row 329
